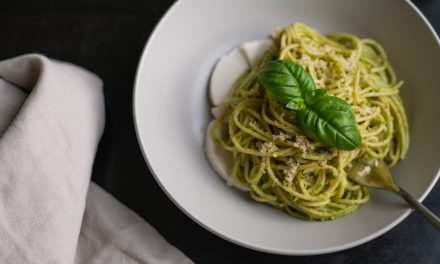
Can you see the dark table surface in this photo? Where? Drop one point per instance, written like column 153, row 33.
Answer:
column 107, row 37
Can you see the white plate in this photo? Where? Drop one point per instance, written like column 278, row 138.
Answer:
column 171, row 112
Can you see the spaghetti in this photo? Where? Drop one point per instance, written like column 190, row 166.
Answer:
column 278, row 164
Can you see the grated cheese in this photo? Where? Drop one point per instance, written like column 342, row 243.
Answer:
column 281, row 137
column 303, row 143
column 268, row 147
column 365, row 171
column 328, row 49
column 376, row 163
column 367, row 110
column 305, row 60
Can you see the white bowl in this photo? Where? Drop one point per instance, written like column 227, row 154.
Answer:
column 171, row 113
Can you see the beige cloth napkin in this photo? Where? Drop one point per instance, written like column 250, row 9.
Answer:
column 51, row 120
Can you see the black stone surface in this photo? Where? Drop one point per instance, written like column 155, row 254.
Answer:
column 107, row 37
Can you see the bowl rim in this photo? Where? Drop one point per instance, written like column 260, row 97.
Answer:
column 327, row 250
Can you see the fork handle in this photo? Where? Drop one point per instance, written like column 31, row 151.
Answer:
column 425, row 212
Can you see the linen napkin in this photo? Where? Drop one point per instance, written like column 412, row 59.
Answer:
column 51, row 120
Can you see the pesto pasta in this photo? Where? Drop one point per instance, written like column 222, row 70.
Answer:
column 270, row 154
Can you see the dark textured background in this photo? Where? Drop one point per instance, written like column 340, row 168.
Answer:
column 107, row 37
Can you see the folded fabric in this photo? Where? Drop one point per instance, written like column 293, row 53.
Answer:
column 51, row 120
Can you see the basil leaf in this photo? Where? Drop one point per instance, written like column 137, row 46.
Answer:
column 286, row 82
column 314, row 95
column 331, row 122
column 296, row 104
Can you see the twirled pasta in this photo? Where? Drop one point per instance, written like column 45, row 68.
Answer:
column 270, row 155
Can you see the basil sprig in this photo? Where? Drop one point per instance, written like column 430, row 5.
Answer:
column 325, row 119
